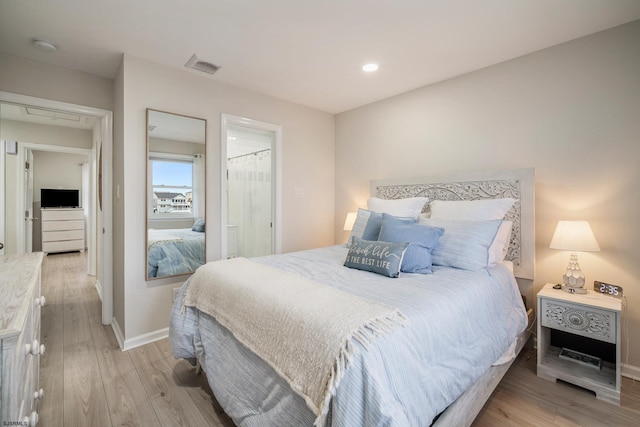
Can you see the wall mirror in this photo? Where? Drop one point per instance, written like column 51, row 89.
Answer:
column 175, row 233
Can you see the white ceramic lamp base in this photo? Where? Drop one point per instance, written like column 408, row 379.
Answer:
column 573, row 279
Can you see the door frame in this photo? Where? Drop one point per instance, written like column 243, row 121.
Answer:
column 105, row 118
column 276, row 185
column 2, row 204
column 23, row 147
column 24, row 180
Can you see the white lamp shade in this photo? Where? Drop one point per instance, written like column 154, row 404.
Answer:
column 574, row 236
column 351, row 219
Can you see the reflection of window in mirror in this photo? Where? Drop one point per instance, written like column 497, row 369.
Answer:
column 172, row 186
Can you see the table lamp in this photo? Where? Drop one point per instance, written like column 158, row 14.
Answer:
column 349, row 221
column 574, row 236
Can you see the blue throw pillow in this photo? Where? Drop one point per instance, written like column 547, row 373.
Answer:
column 422, row 240
column 366, row 225
column 377, row 257
column 198, row 225
column 465, row 244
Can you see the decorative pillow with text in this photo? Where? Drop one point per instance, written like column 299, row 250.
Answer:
column 377, row 257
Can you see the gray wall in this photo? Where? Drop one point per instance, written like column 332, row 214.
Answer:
column 571, row 111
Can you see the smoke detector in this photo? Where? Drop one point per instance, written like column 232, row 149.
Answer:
column 45, row 45
column 204, row 66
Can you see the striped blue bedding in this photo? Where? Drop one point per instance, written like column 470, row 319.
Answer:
column 461, row 322
column 174, row 251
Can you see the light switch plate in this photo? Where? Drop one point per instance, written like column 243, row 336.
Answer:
column 11, row 147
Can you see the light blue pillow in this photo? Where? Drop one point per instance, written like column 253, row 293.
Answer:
column 377, row 257
column 422, row 240
column 366, row 226
column 198, row 225
column 465, row 244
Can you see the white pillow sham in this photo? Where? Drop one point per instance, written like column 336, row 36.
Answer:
column 403, row 208
column 474, row 210
column 500, row 245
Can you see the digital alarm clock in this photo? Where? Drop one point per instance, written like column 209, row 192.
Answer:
column 608, row 289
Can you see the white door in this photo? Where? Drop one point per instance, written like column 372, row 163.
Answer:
column 2, row 197
column 28, row 201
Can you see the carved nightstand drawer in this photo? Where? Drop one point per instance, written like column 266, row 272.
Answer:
column 580, row 320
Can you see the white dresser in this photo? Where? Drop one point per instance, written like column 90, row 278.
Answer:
column 20, row 347
column 62, row 229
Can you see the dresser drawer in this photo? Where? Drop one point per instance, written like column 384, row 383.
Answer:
column 65, row 245
column 54, row 236
column 62, row 214
column 76, row 224
column 580, row 320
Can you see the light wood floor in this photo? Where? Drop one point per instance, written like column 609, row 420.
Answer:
column 88, row 381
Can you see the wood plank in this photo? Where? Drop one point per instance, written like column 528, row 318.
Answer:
column 128, row 403
column 85, row 402
column 111, row 360
column 51, row 408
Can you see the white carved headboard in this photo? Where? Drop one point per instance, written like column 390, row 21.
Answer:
column 517, row 184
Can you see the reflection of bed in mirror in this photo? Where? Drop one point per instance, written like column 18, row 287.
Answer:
column 174, row 251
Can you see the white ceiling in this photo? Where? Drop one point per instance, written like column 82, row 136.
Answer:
column 309, row 52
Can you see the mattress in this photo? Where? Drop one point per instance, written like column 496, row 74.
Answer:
column 461, row 322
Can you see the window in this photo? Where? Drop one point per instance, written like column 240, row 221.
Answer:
column 172, row 187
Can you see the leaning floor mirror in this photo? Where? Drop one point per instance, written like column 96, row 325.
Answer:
column 175, row 194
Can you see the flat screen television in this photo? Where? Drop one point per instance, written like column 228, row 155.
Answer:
column 58, row 198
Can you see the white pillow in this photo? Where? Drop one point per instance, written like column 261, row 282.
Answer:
column 471, row 210
column 404, row 208
column 500, row 246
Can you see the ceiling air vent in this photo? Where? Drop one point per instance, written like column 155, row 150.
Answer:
column 204, row 66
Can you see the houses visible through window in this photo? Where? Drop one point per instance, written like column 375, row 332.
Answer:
column 172, row 186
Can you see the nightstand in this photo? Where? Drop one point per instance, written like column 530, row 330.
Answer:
column 584, row 323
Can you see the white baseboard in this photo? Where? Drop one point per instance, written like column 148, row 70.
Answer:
column 630, row 371
column 99, row 289
column 128, row 344
column 145, row 339
column 117, row 332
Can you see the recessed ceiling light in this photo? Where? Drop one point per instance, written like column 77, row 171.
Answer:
column 45, row 45
column 370, row 67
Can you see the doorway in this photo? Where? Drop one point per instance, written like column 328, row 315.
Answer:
column 99, row 238
column 251, row 174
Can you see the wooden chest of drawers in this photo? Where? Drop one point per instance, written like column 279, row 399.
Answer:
column 20, row 347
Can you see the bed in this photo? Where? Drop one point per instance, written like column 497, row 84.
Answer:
column 174, row 251
column 454, row 334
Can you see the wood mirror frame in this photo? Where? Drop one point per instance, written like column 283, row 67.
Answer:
column 175, row 194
